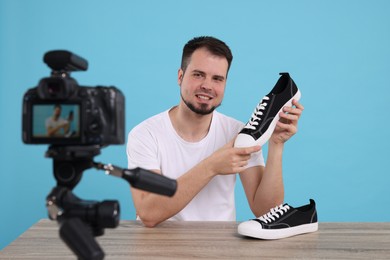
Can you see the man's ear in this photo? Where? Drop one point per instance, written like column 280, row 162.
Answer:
column 180, row 75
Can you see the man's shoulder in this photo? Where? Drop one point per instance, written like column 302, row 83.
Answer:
column 157, row 118
column 152, row 123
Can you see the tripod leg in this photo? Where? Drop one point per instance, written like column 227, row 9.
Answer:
column 80, row 240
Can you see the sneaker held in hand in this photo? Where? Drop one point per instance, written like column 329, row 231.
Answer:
column 263, row 120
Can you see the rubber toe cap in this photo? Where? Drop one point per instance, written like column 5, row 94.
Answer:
column 244, row 140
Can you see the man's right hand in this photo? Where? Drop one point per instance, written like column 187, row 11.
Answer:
column 229, row 159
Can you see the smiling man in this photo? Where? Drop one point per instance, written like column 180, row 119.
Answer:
column 193, row 143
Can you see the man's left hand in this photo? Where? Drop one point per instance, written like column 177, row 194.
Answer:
column 287, row 125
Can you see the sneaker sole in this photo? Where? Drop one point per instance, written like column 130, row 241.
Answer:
column 244, row 140
column 270, row 234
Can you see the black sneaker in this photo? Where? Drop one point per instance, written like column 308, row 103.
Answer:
column 263, row 121
column 281, row 222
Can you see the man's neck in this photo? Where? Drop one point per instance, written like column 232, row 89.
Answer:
column 190, row 126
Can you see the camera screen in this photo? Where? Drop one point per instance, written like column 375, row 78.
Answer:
column 59, row 121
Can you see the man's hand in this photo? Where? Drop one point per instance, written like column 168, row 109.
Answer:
column 287, row 126
column 230, row 160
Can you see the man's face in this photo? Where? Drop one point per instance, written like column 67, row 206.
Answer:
column 202, row 85
column 57, row 112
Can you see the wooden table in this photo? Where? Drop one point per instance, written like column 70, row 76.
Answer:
column 210, row 240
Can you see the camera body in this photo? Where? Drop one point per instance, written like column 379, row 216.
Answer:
column 60, row 112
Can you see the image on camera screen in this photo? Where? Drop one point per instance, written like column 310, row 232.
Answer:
column 56, row 121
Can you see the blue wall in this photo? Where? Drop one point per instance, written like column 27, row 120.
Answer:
column 338, row 52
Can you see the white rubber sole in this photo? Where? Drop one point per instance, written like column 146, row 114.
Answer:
column 244, row 140
column 253, row 229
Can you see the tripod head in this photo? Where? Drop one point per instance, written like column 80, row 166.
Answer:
column 69, row 162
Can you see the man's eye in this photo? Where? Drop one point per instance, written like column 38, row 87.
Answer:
column 197, row 75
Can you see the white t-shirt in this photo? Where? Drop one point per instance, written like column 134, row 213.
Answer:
column 154, row 144
column 50, row 122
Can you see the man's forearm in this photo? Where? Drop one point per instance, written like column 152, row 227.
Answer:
column 154, row 209
column 270, row 191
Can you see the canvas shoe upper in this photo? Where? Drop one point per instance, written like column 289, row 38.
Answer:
column 281, row 222
column 263, row 121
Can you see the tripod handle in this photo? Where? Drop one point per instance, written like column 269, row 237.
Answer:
column 149, row 181
column 142, row 179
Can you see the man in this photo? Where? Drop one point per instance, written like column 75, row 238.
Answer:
column 56, row 125
column 193, row 143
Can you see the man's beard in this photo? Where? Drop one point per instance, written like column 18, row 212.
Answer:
column 202, row 110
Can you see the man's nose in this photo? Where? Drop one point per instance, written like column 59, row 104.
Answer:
column 206, row 84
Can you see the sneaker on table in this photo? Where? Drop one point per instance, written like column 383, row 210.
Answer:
column 281, row 222
column 263, row 120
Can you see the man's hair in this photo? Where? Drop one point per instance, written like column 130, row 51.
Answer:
column 213, row 45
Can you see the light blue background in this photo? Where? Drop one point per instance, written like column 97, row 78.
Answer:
column 338, row 53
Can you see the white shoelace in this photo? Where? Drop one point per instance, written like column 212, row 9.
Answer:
column 274, row 213
column 253, row 122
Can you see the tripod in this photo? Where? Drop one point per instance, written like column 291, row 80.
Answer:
column 81, row 220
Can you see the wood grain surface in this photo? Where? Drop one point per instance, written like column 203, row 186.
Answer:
column 209, row 240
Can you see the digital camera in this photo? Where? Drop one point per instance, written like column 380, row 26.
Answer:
column 60, row 112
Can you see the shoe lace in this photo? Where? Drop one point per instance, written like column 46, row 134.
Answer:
column 274, row 213
column 256, row 115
